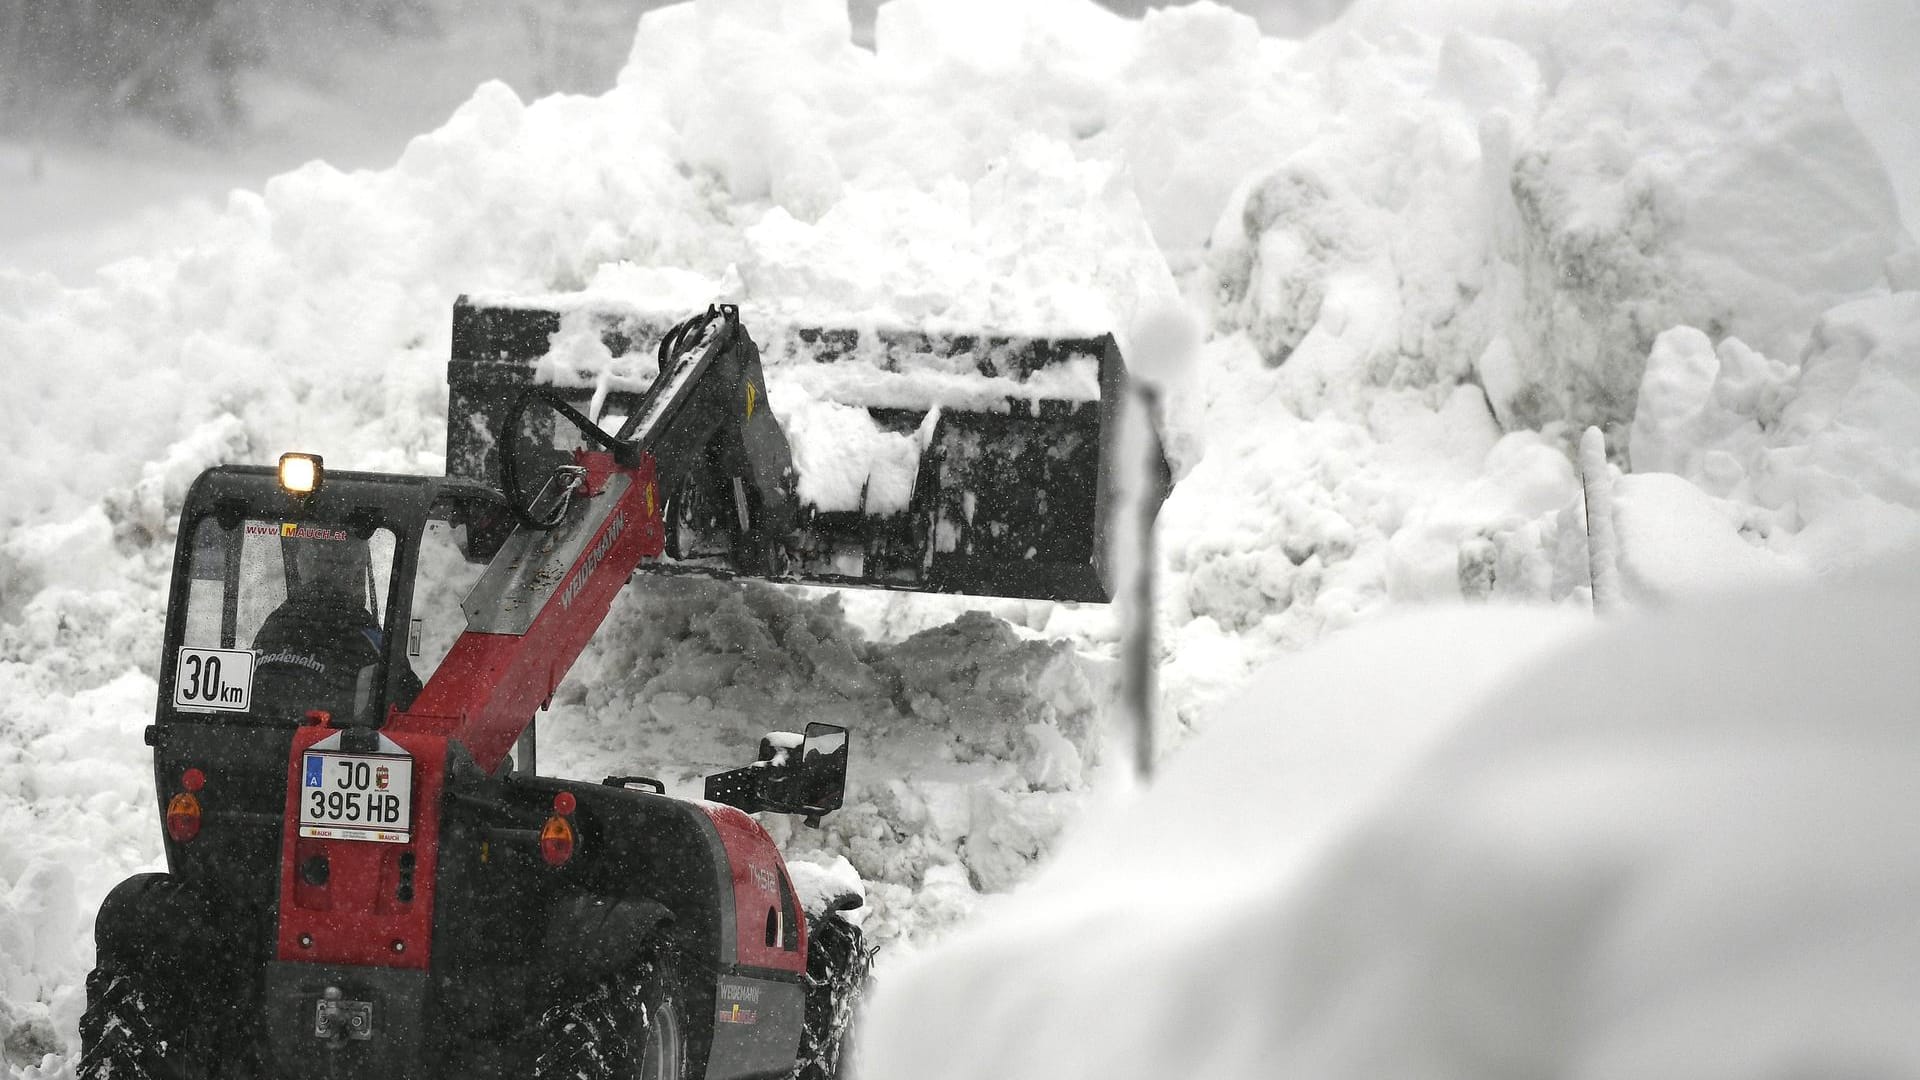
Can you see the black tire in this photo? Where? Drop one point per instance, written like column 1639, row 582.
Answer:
column 122, row 1031
column 174, row 990
column 626, row 1027
column 839, row 968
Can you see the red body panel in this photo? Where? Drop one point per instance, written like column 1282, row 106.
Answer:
column 485, row 692
column 483, row 696
column 759, row 873
column 356, row 917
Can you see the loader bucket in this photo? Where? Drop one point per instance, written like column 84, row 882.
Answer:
column 955, row 463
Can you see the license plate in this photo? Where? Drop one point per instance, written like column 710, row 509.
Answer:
column 356, row 797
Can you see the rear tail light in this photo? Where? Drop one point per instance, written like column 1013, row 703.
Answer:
column 183, row 817
column 556, row 841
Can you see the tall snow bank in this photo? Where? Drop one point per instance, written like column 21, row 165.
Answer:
column 1675, row 843
column 1293, row 524
column 869, row 186
column 1525, row 196
column 1510, row 204
column 1816, row 460
column 749, row 148
column 1866, row 45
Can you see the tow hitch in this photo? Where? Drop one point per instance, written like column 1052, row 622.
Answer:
column 334, row 1018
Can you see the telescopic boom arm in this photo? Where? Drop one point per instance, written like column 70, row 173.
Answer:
column 548, row 589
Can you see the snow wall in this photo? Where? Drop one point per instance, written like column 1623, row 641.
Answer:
column 1676, row 843
column 1429, row 245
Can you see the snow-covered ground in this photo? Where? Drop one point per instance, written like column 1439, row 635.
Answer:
column 1429, row 244
column 1676, row 843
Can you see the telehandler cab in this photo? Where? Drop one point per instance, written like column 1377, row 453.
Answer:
column 366, row 877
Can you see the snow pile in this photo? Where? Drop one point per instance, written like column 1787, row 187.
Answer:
column 847, row 461
column 78, row 812
column 1864, row 46
column 1819, row 457
column 1484, row 219
column 971, row 742
column 1674, row 842
column 1528, row 195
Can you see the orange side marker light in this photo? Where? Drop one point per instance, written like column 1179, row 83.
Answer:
column 183, row 817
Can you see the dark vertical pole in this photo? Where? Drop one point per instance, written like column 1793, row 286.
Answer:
column 1139, row 687
column 1603, row 554
column 230, row 600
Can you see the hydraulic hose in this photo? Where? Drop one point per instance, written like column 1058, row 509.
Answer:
column 624, row 452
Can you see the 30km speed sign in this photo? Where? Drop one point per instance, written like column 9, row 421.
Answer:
column 213, row 679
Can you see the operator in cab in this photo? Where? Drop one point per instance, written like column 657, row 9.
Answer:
column 321, row 648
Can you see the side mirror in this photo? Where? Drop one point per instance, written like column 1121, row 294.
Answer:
column 809, row 779
column 823, row 769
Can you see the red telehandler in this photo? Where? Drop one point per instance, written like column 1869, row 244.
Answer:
column 366, row 877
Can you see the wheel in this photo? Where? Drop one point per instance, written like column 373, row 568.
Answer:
column 626, row 1027
column 838, row 971
column 174, row 990
column 122, row 1031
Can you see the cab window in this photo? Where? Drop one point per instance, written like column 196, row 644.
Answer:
column 440, row 590
column 307, row 600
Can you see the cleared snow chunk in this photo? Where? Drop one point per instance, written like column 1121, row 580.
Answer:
column 845, row 460
column 1676, row 387
column 1675, row 540
column 817, row 884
